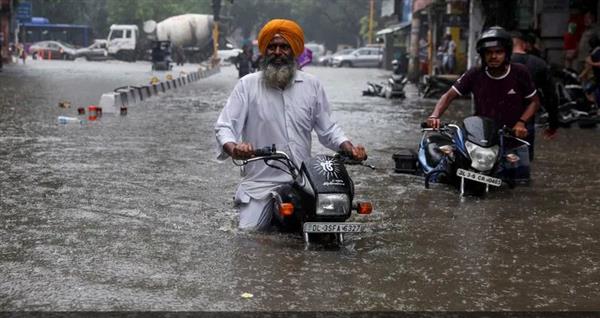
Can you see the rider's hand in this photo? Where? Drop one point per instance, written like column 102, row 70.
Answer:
column 241, row 151
column 433, row 122
column 359, row 153
column 520, row 130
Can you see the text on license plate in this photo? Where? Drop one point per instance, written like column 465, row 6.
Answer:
column 339, row 227
column 478, row 177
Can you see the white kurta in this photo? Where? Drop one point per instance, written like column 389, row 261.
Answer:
column 261, row 115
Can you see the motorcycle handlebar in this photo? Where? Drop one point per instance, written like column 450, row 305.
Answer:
column 265, row 151
column 348, row 160
column 425, row 126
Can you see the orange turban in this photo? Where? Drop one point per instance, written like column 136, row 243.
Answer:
column 288, row 29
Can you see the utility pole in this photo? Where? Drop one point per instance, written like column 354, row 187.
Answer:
column 216, row 6
column 371, row 13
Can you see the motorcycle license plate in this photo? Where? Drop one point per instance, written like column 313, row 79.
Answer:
column 478, row 177
column 336, row 227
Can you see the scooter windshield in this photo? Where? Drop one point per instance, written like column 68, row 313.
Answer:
column 480, row 131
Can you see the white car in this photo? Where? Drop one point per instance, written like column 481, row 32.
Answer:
column 95, row 52
column 326, row 60
column 229, row 55
column 361, row 57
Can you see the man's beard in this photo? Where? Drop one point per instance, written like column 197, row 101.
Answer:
column 279, row 72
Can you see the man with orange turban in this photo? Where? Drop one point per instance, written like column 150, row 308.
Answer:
column 281, row 106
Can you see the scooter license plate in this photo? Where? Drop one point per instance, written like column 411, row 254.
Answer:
column 478, row 177
column 338, row 227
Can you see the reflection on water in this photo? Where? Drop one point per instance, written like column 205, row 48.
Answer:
column 134, row 212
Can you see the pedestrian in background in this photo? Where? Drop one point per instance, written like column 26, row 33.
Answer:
column 583, row 48
column 439, row 57
column 542, row 79
column 243, row 61
column 21, row 52
column 571, row 39
column 423, row 56
column 449, row 55
column 179, row 55
column 593, row 62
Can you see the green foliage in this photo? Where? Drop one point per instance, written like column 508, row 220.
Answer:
column 138, row 11
column 331, row 22
column 364, row 28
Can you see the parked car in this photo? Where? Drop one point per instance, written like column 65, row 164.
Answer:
column 361, row 57
column 95, row 52
column 54, row 50
column 327, row 60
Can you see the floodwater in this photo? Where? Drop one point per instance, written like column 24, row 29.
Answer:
column 135, row 213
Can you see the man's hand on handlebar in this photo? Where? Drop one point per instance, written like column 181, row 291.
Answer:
column 520, row 130
column 239, row 151
column 357, row 152
column 433, row 122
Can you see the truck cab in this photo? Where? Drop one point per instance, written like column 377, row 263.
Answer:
column 122, row 41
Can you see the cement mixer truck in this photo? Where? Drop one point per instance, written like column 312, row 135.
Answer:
column 190, row 32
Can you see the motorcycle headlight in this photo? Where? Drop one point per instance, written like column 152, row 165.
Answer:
column 333, row 204
column 482, row 159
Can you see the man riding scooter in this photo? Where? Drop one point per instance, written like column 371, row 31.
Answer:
column 502, row 91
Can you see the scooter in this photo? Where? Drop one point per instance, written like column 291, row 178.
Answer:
column 434, row 86
column 472, row 156
column 392, row 88
column 319, row 199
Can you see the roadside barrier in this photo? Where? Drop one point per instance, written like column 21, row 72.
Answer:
column 119, row 100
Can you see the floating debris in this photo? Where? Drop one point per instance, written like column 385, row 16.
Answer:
column 64, row 104
column 247, row 295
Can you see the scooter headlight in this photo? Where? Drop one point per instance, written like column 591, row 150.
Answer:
column 482, row 159
column 333, row 204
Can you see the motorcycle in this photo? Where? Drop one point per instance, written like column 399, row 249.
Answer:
column 320, row 198
column 392, row 88
column 573, row 104
column 472, row 156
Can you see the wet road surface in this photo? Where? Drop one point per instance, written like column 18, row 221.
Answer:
column 135, row 213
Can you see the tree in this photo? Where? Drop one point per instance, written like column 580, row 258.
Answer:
column 330, row 22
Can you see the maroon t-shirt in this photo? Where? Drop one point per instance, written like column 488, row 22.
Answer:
column 504, row 98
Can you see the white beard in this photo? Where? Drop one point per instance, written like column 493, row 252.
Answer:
column 279, row 76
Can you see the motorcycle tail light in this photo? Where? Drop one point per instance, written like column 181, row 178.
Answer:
column 286, row 209
column 364, row 207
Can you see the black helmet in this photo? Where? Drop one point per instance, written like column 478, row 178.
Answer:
column 495, row 36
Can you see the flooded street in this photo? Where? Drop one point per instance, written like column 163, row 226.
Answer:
column 135, row 213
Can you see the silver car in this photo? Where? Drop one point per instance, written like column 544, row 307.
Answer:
column 361, row 57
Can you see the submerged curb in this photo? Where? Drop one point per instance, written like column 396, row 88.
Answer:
column 126, row 96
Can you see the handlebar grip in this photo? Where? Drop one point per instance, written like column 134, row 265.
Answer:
column 265, row 151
